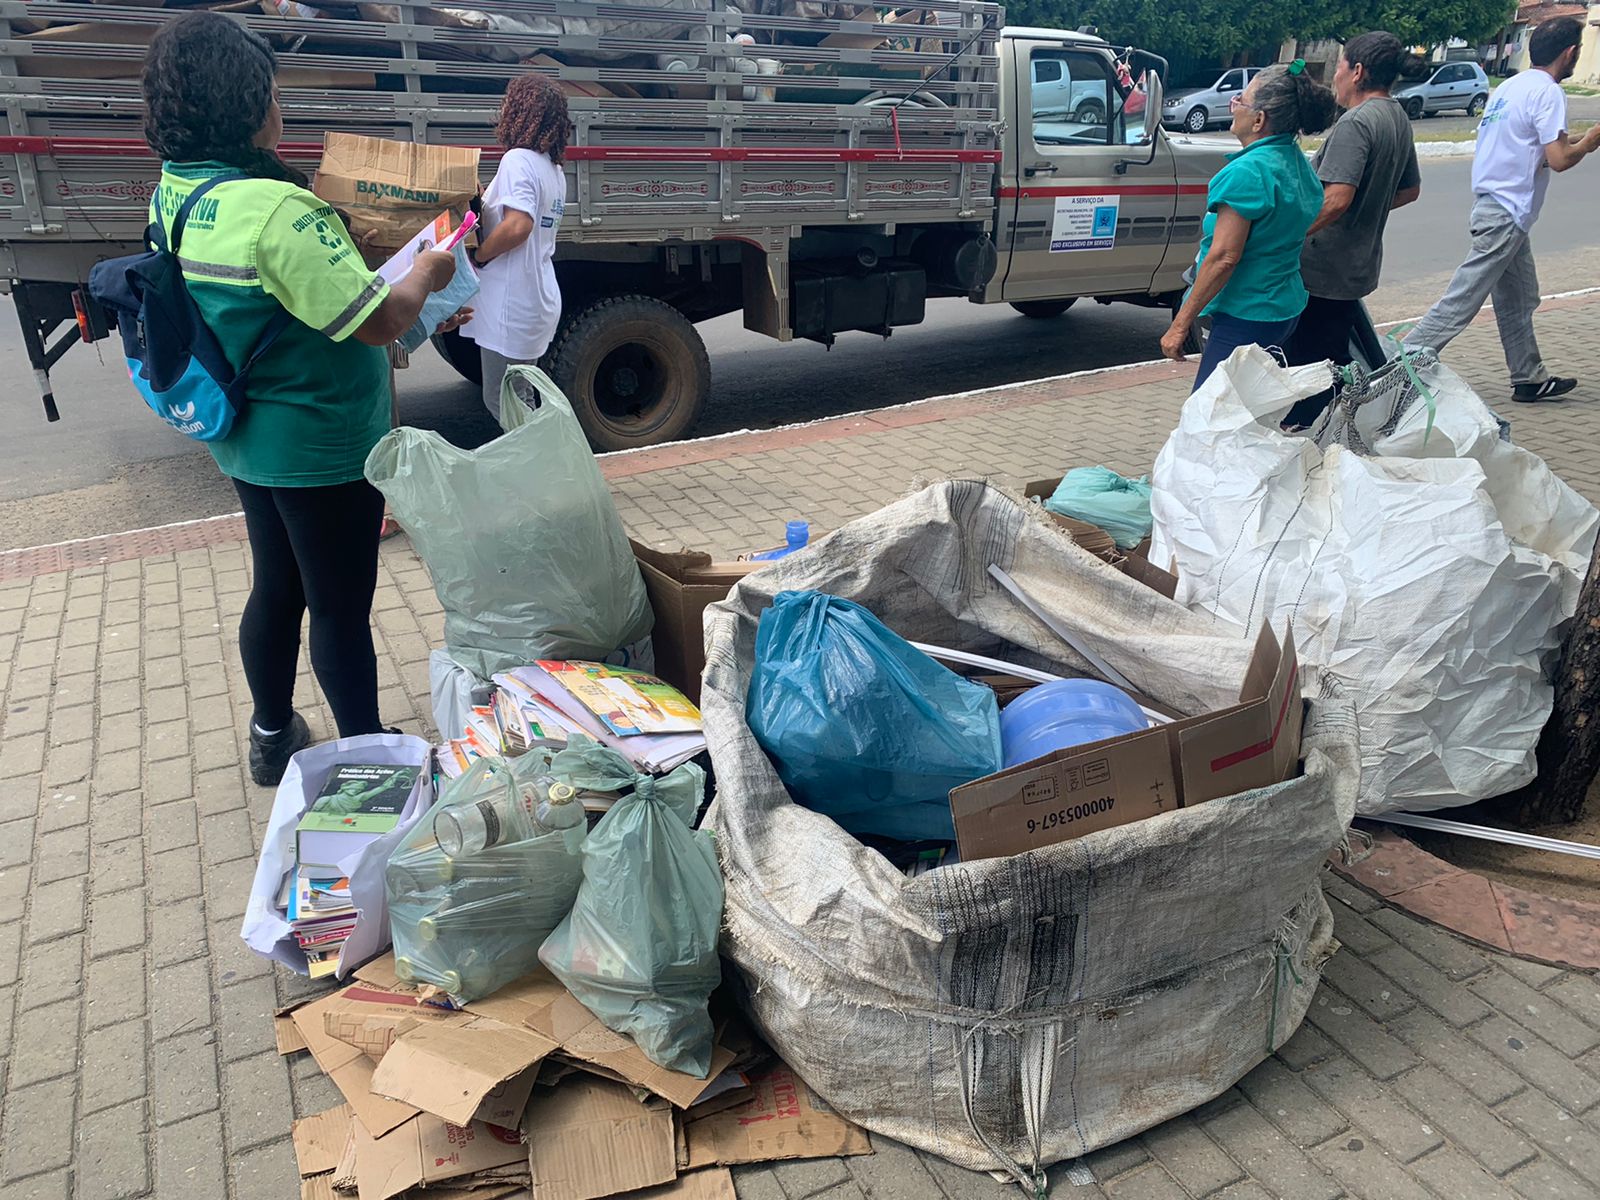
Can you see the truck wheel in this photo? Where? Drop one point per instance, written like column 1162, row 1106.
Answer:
column 461, row 352
column 1040, row 310
column 1091, row 112
column 1196, row 121
column 635, row 370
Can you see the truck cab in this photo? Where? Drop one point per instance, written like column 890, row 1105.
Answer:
column 1092, row 199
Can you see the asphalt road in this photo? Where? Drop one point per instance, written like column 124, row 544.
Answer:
column 109, row 465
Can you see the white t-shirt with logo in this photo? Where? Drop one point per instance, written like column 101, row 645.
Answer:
column 518, row 304
column 1527, row 113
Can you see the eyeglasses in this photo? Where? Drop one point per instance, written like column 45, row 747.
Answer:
column 1239, row 102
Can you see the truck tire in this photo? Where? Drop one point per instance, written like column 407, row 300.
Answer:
column 635, row 370
column 1091, row 112
column 1041, row 310
column 461, row 352
column 1197, row 120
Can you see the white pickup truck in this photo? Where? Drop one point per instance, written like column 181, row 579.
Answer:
column 822, row 176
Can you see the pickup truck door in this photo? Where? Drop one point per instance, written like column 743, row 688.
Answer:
column 1072, row 223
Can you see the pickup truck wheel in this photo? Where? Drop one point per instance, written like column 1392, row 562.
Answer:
column 1414, row 108
column 1091, row 112
column 461, row 352
column 1041, row 310
column 1475, row 109
column 635, row 370
column 1196, row 121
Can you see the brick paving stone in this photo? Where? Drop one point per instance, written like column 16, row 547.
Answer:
column 808, row 1177
column 1358, row 1035
column 181, row 999
column 115, row 818
column 1452, row 1174
column 226, row 836
column 174, row 876
column 170, row 780
column 1547, row 1180
column 35, row 1118
column 1542, row 1014
column 1569, row 1139
column 63, row 854
column 115, row 991
column 112, row 1163
column 758, row 1183
column 1449, row 954
column 255, row 1097
column 227, row 888
column 245, row 1012
column 1191, row 1157
column 1110, row 1161
column 1269, row 1157
column 117, row 923
column 1377, row 994
column 16, row 840
column 1534, row 974
column 1373, row 1108
column 1365, row 1170
column 45, row 1044
column 117, row 772
column 1470, row 1126
column 55, row 1186
column 56, row 910
column 172, row 826
column 10, row 953
column 177, row 934
column 1280, row 1096
column 893, row 1171
column 1147, row 1183
column 1578, row 993
column 113, row 1067
column 1355, row 932
column 955, row 1182
column 184, row 1074
column 190, row 1163
column 1462, row 1060
column 1246, row 1190
column 1539, row 1063
column 1431, row 986
column 235, row 962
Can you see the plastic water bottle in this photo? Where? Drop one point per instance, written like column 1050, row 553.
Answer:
column 467, row 829
column 796, row 535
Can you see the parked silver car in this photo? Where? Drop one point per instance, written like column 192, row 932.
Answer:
column 1460, row 85
column 1197, row 109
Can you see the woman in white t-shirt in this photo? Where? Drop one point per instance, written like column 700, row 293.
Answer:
column 519, row 304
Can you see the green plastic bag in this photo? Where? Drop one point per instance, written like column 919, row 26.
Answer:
column 639, row 948
column 1100, row 496
column 527, row 553
column 473, row 923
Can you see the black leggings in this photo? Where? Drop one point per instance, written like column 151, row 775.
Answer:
column 316, row 548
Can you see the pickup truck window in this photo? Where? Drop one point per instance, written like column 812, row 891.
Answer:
column 1076, row 103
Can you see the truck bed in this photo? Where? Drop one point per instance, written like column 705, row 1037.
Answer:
column 712, row 151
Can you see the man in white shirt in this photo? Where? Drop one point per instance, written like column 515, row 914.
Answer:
column 1523, row 137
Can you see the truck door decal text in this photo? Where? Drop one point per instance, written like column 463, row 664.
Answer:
column 1085, row 223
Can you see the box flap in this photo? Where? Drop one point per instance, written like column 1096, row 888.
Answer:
column 426, row 1150
column 459, row 1072
column 1257, row 742
column 591, row 1138
column 319, row 1140
column 317, row 1187
column 284, row 1032
column 380, row 973
column 367, row 1017
column 350, row 1070
column 782, row 1119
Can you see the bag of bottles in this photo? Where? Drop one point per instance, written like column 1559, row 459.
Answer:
column 639, row 948
column 479, row 883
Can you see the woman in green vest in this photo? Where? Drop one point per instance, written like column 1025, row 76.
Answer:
column 1258, row 208
column 257, row 244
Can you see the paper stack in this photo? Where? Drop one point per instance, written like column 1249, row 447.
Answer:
column 650, row 723
column 525, row 1094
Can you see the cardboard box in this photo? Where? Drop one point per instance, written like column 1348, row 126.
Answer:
column 319, row 1140
column 783, row 1118
column 350, row 1070
column 425, row 1151
column 680, row 585
column 1084, row 789
column 392, row 189
column 479, row 1070
column 591, row 1137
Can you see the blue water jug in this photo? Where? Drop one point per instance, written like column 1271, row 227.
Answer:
column 1065, row 713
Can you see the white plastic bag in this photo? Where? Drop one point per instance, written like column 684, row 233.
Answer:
column 524, row 544
column 1425, row 562
column 266, row 930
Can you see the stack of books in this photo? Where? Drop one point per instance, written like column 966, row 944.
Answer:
column 649, row 722
column 359, row 803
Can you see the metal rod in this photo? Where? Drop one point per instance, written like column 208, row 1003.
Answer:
column 1509, row 837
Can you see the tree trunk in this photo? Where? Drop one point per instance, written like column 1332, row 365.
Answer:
column 1500, row 51
column 1569, row 748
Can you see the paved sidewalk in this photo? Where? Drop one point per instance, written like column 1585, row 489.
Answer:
column 135, row 1027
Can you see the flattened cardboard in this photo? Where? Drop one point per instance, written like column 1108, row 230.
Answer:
column 319, row 1140
column 350, row 1070
column 425, row 1151
column 284, row 1031
column 1085, row 789
column 368, row 1017
column 380, row 973
column 591, row 1138
column 712, row 1183
column 458, row 1072
column 317, row 1187
column 782, row 1119
column 680, row 586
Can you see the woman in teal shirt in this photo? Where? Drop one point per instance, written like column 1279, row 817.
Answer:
column 1259, row 207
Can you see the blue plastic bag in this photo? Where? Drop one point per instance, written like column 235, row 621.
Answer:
column 1101, row 497
column 861, row 725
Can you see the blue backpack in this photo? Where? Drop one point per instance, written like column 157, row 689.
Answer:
column 173, row 358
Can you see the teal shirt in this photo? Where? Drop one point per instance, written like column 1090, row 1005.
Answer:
column 1270, row 184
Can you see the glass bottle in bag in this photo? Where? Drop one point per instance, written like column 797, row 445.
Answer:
column 467, row 829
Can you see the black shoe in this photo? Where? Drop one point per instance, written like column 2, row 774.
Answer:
column 1536, row 393
column 269, row 756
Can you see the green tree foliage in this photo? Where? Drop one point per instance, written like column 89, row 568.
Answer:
column 1225, row 27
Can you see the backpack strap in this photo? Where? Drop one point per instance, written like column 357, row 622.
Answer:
column 158, row 237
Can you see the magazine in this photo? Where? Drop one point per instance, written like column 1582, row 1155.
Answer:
column 628, row 702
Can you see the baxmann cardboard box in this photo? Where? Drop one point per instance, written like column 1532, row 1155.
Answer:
column 1084, row 789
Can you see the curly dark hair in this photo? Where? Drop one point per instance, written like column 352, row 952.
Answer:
column 533, row 116
column 207, row 93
